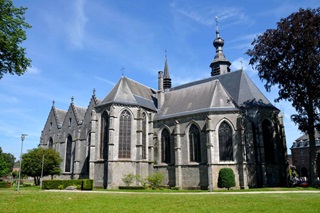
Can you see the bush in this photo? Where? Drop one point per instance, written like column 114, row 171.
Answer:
column 5, row 184
column 155, row 179
column 128, row 179
column 226, row 178
column 84, row 184
column 87, row 184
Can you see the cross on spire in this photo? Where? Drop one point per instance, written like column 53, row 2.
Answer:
column 122, row 70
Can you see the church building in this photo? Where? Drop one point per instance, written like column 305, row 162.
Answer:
column 188, row 132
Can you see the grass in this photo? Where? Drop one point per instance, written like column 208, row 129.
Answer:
column 31, row 199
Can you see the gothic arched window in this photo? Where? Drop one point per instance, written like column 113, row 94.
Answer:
column 194, row 144
column 267, row 141
column 165, row 147
column 125, row 135
column 104, row 135
column 144, row 136
column 225, row 142
column 50, row 145
column 68, row 154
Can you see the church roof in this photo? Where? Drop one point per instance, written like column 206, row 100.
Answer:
column 130, row 92
column 60, row 115
column 225, row 92
column 79, row 113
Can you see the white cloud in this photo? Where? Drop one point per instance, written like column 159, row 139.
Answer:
column 76, row 28
column 241, row 63
column 205, row 13
column 104, row 80
column 33, row 70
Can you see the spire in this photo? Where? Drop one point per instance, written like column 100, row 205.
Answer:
column 166, row 75
column 219, row 65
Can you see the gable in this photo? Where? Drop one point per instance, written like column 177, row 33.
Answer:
column 129, row 92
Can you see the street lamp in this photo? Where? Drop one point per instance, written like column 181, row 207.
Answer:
column 22, row 139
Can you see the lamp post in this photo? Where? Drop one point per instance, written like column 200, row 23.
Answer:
column 22, row 139
column 42, row 170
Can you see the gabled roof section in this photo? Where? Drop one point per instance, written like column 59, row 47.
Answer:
column 59, row 114
column 79, row 113
column 197, row 98
column 217, row 93
column 129, row 92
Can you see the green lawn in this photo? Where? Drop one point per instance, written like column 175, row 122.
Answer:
column 34, row 200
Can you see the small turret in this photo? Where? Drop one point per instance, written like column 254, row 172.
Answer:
column 166, row 76
column 219, row 65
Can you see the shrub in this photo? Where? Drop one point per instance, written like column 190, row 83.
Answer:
column 128, row 179
column 5, row 184
column 85, row 184
column 155, row 179
column 226, row 178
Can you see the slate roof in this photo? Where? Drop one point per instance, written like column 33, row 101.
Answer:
column 303, row 141
column 225, row 92
column 79, row 113
column 130, row 92
column 60, row 115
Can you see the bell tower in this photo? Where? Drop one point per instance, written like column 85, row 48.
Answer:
column 219, row 65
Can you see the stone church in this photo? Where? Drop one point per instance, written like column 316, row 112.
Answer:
column 188, row 132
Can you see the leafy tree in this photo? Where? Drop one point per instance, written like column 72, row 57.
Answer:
column 32, row 163
column 13, row 58
column 288, row 57
column 226, row 178
column 6, row 163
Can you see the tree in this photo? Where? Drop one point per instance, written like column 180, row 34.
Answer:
column 13, row 58
column 288, row 57
column 6, row 163
column 226, row 178
column 32, row 163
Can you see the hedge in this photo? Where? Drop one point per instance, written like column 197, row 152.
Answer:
column 83, row 184
column 5, row 184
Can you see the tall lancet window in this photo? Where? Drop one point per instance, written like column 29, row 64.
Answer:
column 194, row 144
column 125, row 135
column 267, row 133
column 225, row 142
column 144, row 136
column 165, row 147
column 104, row 135
column 68, row 154
column 50, row 145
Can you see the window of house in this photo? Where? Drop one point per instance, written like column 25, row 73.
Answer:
column 267, row 133
column 50, row 127
column 104, row 135
column 68, row 154
column 50, row 145
column 70, row 120
column 225, row 142
column 144, row 136
column 165, row 147
column 125, row 135
column 194, row 144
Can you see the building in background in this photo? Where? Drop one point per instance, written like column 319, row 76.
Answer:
column 300, row 154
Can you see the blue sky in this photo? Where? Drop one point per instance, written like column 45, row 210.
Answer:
column 79, row 45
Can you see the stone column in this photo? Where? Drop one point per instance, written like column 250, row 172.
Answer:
column 138, row 159
column 210, row 135
column 177, row 148
column 93, row 144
